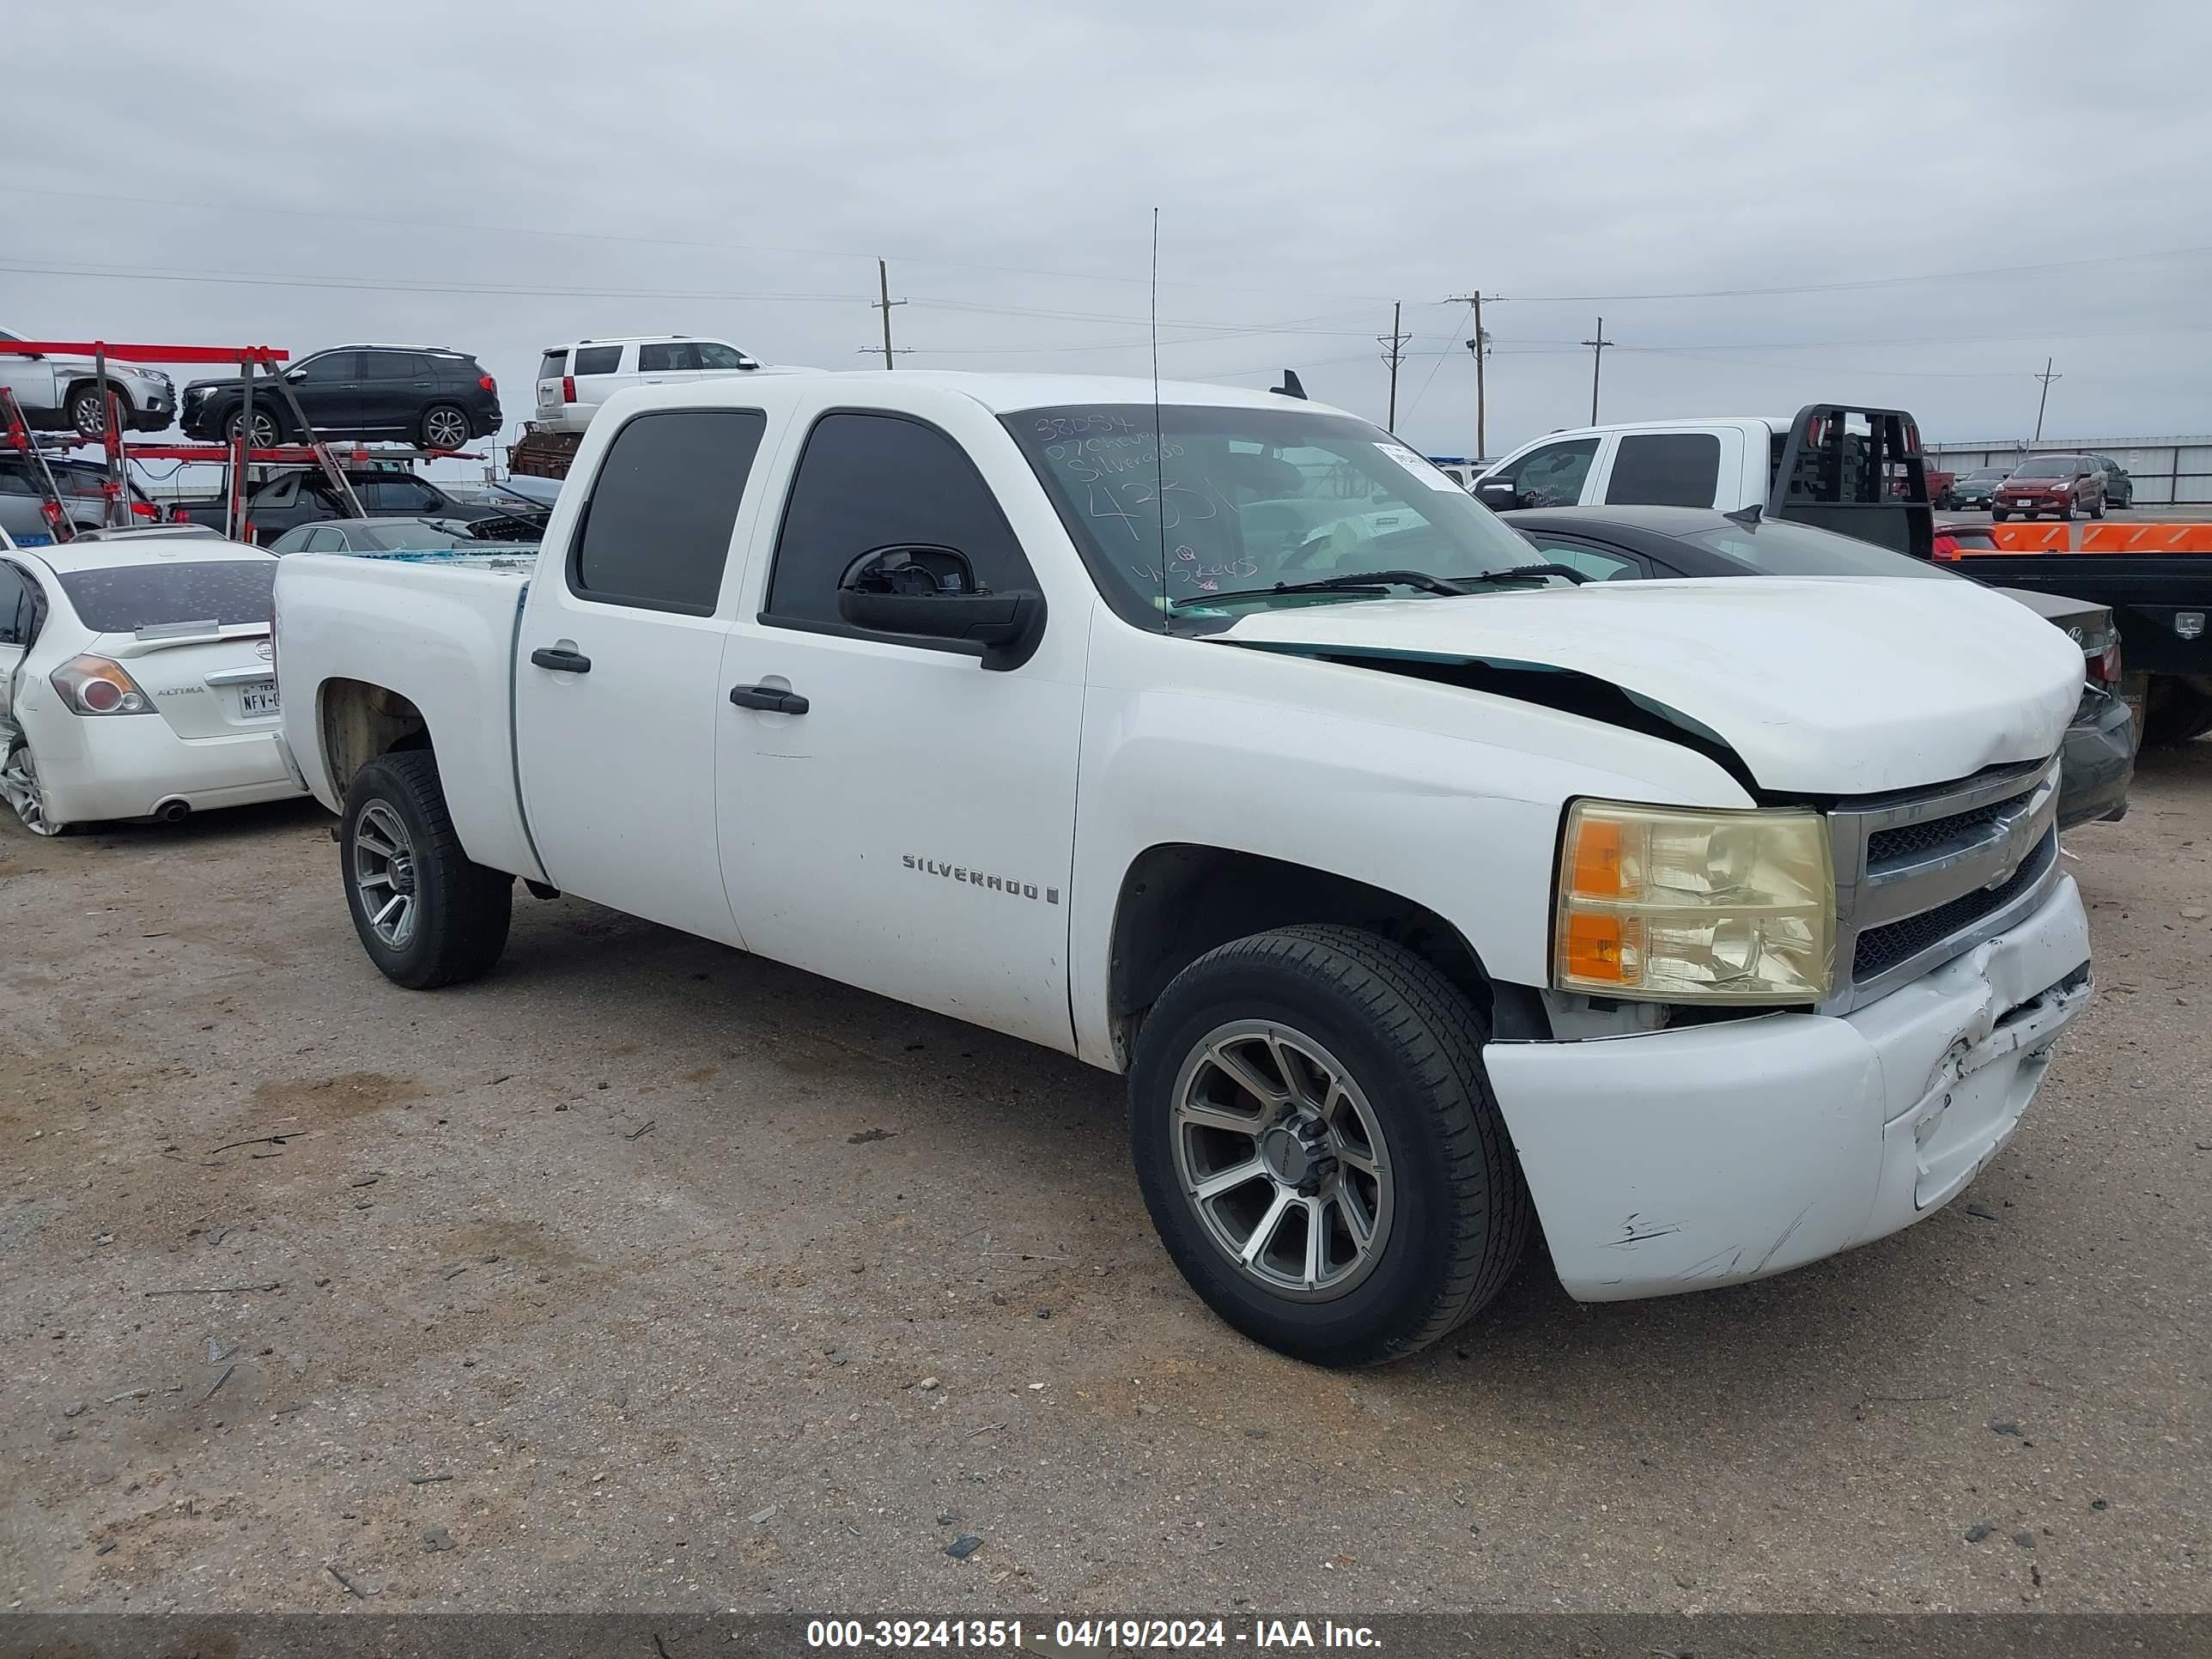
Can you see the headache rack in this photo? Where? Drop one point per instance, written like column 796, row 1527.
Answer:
column 1857, row 471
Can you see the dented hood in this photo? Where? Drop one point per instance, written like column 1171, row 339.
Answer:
column 1820, row 685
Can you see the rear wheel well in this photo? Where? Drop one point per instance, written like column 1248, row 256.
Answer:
column 1180, row 901
column 360, row 721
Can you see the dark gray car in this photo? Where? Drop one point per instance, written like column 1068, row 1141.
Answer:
column 1979, row 487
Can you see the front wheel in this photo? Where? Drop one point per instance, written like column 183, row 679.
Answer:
column 1998, row 515
column 1318, row 1143
column 267, row 430
column 427, row 915
column 2097, row 509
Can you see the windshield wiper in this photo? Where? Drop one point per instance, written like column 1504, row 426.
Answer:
column 1525, row 573
column 1364, row 581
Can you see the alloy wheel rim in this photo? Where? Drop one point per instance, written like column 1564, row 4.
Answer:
column 384, row 874
column 1282, row 1159
column 445, row 429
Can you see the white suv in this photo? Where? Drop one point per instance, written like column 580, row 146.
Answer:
column 573, row 380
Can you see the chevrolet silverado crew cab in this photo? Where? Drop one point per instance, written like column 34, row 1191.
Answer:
column 1421, row 889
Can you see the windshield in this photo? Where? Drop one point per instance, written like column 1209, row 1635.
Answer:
column 1252, row 497
column 2047, row 467
column 1984, row 473
column 123, row 599
column 1782, row 547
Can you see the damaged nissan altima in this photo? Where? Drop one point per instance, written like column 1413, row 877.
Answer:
column 1421, row 889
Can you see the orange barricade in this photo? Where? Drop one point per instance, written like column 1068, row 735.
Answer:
column 2033, row 537
column 2147, row 538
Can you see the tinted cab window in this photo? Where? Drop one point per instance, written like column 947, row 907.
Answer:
column 1665, row 469
column 598, row 360
column 871, row 481
column 655, row 531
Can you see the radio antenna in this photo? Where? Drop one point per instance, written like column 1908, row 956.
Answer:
column 1159, row 448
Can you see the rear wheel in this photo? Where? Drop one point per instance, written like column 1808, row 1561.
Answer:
column 89, row 416
column 19, row 783
column 1317, row 1140
column 427, row 915
column 444, row 426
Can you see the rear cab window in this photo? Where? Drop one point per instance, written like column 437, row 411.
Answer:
column 1665, row 469
column 124, row 599
column 655, row 533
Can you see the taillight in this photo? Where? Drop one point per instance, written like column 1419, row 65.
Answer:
column 95, row 686
column 488, row 383
column 1946, row 547
column 2104, row 666
column 567, row 388
column 145, row 510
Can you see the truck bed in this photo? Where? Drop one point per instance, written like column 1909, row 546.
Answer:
column 2144, row 590
column 442, row 623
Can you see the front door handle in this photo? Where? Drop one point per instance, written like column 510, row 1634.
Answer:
column 560, row 662
column 775, row 700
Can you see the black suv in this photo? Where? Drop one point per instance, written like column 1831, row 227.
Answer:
column 424, row 395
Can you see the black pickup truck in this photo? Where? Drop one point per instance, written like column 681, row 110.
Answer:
column 2160, row 601
column 304, row 496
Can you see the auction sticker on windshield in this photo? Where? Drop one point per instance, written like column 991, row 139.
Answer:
column 1421, row 468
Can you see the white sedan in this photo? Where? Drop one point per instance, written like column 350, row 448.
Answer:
column 136, row 679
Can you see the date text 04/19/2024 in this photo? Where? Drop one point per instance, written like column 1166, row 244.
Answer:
column 1005, row 1635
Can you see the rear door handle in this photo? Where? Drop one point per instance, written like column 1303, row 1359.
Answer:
column 769, row 697
column 560, row 662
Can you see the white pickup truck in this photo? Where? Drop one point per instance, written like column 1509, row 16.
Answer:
column 1222, row 741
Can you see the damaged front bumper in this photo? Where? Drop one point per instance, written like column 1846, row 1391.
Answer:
column 1677, row 1160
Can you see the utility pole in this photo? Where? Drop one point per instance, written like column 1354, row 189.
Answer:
column 1396, row 339
column 1480, row 345
column 1597, row 362
column 2046, row 377
column 884, row 305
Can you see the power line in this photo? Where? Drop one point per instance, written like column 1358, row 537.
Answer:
column 1870, row 281
column 632, row 239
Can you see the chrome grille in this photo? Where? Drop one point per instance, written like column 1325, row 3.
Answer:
column 1879, row 949
column 1887, row 846
column 1924, row 875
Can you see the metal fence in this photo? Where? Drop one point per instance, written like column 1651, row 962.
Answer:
column 2167, row 471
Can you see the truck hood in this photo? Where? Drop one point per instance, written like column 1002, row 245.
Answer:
column 1821, row 686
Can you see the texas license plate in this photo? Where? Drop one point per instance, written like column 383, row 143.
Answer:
column 258, row 700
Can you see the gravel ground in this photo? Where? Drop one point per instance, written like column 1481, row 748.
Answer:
column 647, row 1274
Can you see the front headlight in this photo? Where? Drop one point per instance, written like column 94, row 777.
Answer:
column 1663, row 905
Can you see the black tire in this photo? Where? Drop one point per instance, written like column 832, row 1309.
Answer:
column 86, row 417
column 268, row 425
column 459, row 926
column 2098, row 511
column 444, row 419
column 2065, row 515
column 1459, row 1211
column 1998, row 515
column 2174, row 711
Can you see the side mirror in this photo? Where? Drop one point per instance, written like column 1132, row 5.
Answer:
column 295, row 375
column 931, row 592
column 1497, row 495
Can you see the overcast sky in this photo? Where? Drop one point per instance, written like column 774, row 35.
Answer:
column 503, row 177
